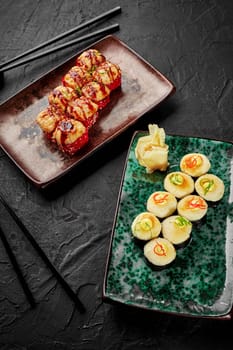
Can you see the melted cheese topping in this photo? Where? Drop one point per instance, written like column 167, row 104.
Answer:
column 76, row 78
column 95, row 91
column 61, row 96
column 107, row 73
column 68, row 131
column 90, row 59
column 82, row 109
column 48, row 120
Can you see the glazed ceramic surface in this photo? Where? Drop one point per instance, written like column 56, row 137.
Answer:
column 200, row 281
column 143, row 87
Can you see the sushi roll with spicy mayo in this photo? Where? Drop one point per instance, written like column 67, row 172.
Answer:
column 161, row 204
column 97, row 92
column 108, row 74
column 192, row 207
column 61, row 96
column 71, row 135
column 84, row 110
column 48, row 120
column 76, row 78
column 195, row 164
column 145, row 226
column 90, row 60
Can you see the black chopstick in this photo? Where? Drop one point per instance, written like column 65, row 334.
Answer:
column 42, row 254
column 17, row 269
column 103, row 31
column 106, row 14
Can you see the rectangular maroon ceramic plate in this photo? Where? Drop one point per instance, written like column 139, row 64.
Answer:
column 143, row 88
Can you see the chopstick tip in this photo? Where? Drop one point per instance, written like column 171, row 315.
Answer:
column 1, row 78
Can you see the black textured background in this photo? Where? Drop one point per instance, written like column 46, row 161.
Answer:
column 189, row 41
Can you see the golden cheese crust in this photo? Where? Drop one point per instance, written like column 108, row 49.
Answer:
column 97, row 92
column 84, row 110
column 90, row 59
column 76, row 78
column 108, row 74
column 61, row 96
column 70, row 135
column 48, row 120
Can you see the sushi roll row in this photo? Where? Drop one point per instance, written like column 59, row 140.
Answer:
column 170, row 214
column 74, row 105
column 160, row 237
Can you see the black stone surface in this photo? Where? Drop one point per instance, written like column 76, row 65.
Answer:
column 191, row 43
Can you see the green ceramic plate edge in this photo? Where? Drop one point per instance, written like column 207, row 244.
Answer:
column 200, row 281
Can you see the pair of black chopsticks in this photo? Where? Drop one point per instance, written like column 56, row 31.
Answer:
column 12, row 62
column 42, row 254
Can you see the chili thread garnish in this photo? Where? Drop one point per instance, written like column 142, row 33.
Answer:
column 160, row 198
column 159, row 250
column 193, row 161
column 196, row 203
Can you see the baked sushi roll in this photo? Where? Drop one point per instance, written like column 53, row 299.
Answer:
column 176, row 229
column 145, row 226
column 195, row 164
column 161, row 204
column 192, row 207
column 179, row 184
column 159, row 252
column 84, row 110
column 210, row 187
column 61, row 96
column 108, row 74
column 90, row 59
column 76, row 78
column 71, row 135
column 97, row 92
column 48, row 120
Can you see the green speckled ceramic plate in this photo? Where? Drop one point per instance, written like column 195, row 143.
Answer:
column 200, row 281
